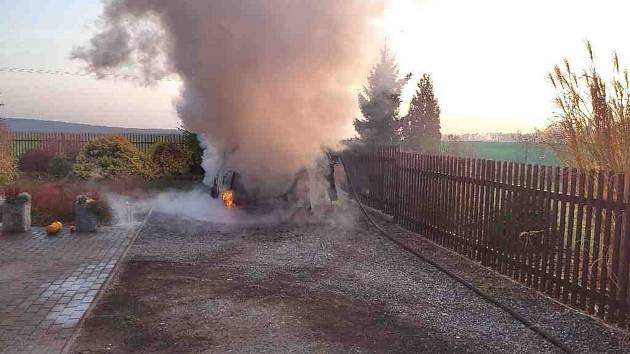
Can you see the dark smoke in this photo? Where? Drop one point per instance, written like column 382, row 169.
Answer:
column 274, row 79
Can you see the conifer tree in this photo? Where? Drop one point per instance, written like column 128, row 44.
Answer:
column 379, row 103
column 420, row 128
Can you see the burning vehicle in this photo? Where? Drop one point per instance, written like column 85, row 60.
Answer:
column 228, row 186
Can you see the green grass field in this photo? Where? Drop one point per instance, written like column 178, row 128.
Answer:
column 512, row 151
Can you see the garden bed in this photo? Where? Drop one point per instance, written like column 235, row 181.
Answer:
column 53, row 198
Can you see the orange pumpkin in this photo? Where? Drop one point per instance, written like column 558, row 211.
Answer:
column 54, row 228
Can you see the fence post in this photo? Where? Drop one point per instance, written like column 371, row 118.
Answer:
column 397, row 185
column 625, row 266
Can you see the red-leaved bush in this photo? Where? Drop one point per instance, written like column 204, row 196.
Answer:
column 11, row 192
column 36, row 160
column 55, row 201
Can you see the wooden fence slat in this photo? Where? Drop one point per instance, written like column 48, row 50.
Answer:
column 446, row 219
column 412, row 192
column 481, row 205
column 426, row 221
column 520, row 212
column 579, row 243
column 371, row 182
column 402, row 176
column 476, row 171
column 417, row 193
column 616, row 272
column 433, row 192
column 485, row 194
column 461, row 200
column 377, row 179
column 587, row 236
column 624, row 271
column 541, row 207
column 561, row 237
column 532, row 255
column 408, row 186
column 463, row 187
column 441, row 200
column 433, row 196
column 569, row 239
column 468, row 203
column 596, row 255
column 547, row 180
column 513, row 231
column 528, row 226
column 437, row 199
column 444, row 202
column 454, row 203
column 605, row 258
column 495, row 222
column 503, row 231
column 419, row 196
column 510, row 236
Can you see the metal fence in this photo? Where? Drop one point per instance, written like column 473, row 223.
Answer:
column 70, row 143
column 562, row 231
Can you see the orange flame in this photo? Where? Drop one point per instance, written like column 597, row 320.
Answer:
column 228, row 199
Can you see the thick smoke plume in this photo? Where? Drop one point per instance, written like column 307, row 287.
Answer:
column 271, row 81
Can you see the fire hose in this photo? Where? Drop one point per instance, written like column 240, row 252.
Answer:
column 528, row 324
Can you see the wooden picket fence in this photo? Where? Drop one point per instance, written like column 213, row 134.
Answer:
column 560, row 230
column 71, row 143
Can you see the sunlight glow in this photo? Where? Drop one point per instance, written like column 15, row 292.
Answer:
column 489, row 58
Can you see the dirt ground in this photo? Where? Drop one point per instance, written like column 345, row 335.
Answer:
column 332, row 286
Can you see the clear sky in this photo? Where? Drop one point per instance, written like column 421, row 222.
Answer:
column 41, row 34
column 488, row 59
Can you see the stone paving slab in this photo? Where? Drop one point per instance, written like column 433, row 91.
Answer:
column 47, row 283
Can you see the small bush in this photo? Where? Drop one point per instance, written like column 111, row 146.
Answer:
column 7, row 162
column 108, row 157
column 103, row 211
column 60, row 167
column 169, row 158
column 97, row 205
column 35, row 160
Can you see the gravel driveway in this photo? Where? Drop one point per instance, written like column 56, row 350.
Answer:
column 329, row 286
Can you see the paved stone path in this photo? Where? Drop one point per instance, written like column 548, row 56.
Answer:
column 48, row 283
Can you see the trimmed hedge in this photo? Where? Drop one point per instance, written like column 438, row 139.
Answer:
column 169, row 159
column 108, row 157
